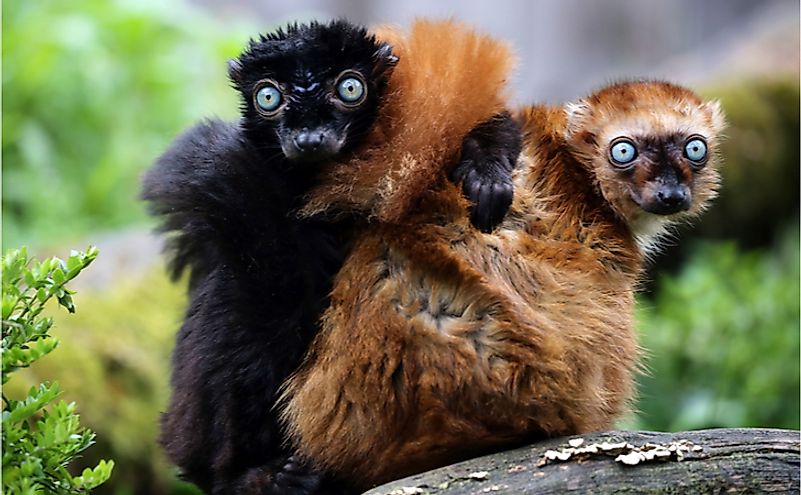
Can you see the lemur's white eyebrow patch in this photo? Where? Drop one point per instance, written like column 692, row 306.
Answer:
column 308, row 89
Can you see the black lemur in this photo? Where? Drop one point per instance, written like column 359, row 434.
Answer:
column 259, row 276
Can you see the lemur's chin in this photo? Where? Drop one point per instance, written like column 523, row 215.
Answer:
column 309, row 156
column 318, row 154
column 312, row 147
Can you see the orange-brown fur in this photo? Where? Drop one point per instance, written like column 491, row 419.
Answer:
column 449, row 79
column 442, row 342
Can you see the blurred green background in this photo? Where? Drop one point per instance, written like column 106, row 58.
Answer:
column 94, row 90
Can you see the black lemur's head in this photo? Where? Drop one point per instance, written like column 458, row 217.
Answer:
column 311, row 89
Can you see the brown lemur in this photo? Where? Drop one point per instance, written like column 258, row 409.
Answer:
column 443, row 342
column 316, row 99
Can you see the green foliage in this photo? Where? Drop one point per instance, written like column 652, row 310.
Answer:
column 93, row 91
column 115, row 363
column 722, row 339
column 40, row 439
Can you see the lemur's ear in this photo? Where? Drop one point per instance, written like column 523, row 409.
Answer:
column 577, row 114
column 384, row 61
column 235, row 71
column 718, row 118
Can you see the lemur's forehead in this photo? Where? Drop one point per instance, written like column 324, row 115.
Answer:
column 655, row 121
column 306, row 66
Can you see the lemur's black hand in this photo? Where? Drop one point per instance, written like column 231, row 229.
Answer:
column 489, row 155
column 284, row 477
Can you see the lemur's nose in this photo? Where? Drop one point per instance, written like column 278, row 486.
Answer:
column 672, row 195
column 308, row 140
column 673, row 198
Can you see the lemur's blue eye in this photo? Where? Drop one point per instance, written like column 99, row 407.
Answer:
column 695, row 149
column 268, row 98
column 350, row 90
column 623, row 152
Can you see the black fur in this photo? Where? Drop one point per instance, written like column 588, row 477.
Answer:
column 489, row 156
column 259, row 276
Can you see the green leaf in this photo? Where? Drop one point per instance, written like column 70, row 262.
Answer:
column 93, row 252
column 74, row 263
column 42, row 326
column 36, row 400
column 22, row 356
column 58, row 276
column 12, row 266
column 29, row 278
column 91, row 478
column 65, row 300
column 9, row 301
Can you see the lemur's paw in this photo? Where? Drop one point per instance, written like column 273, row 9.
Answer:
column 489, row 155
column 488, row 186
column 287, row 477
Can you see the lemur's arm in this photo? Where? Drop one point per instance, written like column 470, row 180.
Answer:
column 489, row 155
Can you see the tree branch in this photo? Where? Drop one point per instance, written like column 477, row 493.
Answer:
column 737, row 460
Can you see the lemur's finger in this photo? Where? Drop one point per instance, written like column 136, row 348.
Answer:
column 471, row 186
column 484, row 208
column 502, row 195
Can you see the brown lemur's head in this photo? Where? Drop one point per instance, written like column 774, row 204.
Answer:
column 652, row 148
column 311, row 91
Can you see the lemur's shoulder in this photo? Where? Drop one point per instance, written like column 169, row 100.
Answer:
column 206, row 150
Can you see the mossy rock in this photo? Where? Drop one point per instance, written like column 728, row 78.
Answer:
column 761, row 163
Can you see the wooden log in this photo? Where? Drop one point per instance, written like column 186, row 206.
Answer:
column 736, row 460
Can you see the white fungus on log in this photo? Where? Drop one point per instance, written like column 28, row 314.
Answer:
column 623, row 452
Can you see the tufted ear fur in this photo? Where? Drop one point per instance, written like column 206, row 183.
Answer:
column 235, row 71
column 578, row 114
column 718, row 117
column 384, row 61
